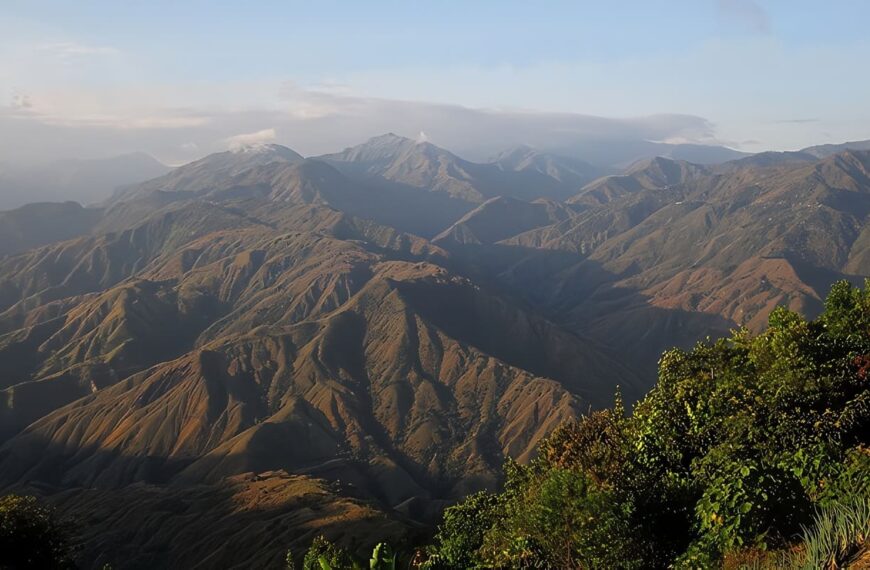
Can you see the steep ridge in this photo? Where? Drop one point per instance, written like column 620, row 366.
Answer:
column 277, row 178
column 86, row 182
column 201, row 175
column 93, row 342
column 413, row 164
column 826, row 150
column 655, row 173
column 38, row 224
column 250, row 520
column 64, row 349
column 316, row 182
column 701, row 248
column 721, row 220
column 572, row 173
column 93, row 263
column 766, row 212
column 211, row 336
column 416, row 165
column 501, row 218
column 385, row 383
column 768, row 159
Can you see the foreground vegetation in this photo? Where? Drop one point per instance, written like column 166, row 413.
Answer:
column 32, row 536
column 750, row 452
column 746, row 446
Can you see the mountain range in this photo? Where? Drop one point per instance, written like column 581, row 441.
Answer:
column 84, row 181
column 352, row 341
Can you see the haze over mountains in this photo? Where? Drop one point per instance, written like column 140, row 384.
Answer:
column 373, row 331
column 83, row 181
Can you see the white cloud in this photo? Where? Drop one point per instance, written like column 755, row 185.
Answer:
column 343, row 120
column 238, row 142
column 160, row 120
column 135, row 108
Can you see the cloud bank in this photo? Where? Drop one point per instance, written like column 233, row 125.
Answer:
column 311, row 121
column 261, row 137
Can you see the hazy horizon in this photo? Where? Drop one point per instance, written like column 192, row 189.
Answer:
column 180, row 81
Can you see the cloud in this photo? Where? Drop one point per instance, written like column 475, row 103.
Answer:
column 746, row 14
column 237, row 142
column 162, row 120
column 477, row 133
column 133, row 109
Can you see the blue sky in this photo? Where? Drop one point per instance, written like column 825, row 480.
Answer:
column 185, row 77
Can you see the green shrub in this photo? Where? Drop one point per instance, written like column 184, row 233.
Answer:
column 563, row 519
column 383, row 558
column 723, row 460
column 31, row 535
column 839, row 534
column 462, row 531
column 324, row 555
column 747, row 502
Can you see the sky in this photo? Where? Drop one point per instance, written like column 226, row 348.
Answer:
column 179, row 79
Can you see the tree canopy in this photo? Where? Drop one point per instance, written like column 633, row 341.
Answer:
column 738, row 446
column 32, row 536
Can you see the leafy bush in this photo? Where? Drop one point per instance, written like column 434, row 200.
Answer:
column 462, row 532
column 324, row 555
column 563, row 519
column 729, row 453
column 31, row 535
column 383, row 558
column 839, row 534
column 749, row 503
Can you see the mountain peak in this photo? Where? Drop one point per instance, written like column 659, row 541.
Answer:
column 826, row 150
column 276, row 150
column 382, row 151
column 515, row 154
column 212, row 170
column 652, row 163
column 663, row 171
column 389, row 136
column 849, row 168
column 389, row 139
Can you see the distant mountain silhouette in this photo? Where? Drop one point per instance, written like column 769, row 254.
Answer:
column 83, row 181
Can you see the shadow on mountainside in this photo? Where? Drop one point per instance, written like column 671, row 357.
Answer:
column 245, row 521
column 578, row 294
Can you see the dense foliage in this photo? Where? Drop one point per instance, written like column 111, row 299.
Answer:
column 325, row 555
column 31, row 536
column 840, row 533
column 735, row 450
